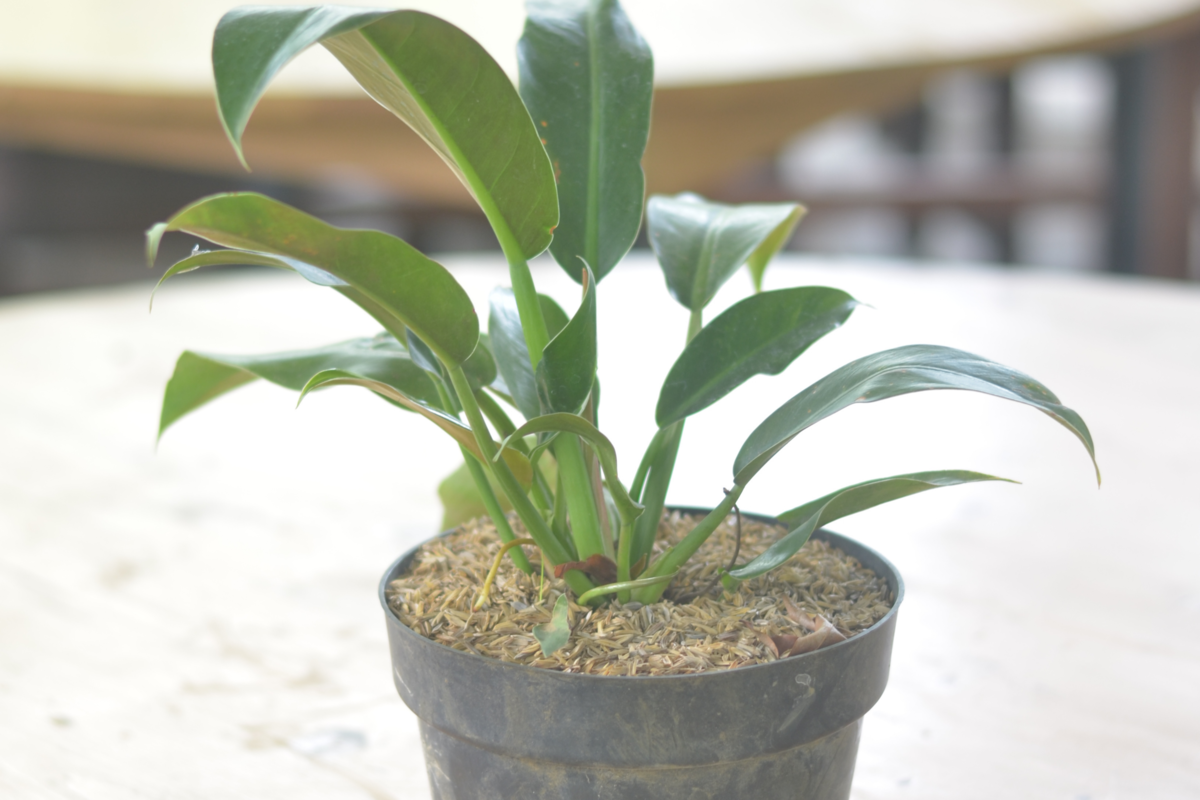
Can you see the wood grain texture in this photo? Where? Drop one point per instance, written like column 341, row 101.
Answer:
column 202, row 622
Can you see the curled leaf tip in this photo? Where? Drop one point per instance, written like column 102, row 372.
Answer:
column 154, row 235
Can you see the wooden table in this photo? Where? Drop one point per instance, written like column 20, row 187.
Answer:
column 131, row 79
column 201, row 622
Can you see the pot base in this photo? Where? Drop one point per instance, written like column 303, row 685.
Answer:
column 817, row 770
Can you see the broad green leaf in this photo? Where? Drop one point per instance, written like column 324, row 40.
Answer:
column 760, row 335
column 201, row 377
column 700, row 244
column 389, row 279
column 573, row 423
column 567, row 371
column 427, row 72
column 587, row 77
column 518, row 463
column 805, row 519
column 553, row 635
column 758, row 260
column 914, row 368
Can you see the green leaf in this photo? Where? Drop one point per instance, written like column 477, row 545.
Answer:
column 762, row 255
column 517, row 462
column 587, row 78
column 701, row 244
column 201, row 377
column 556, row 319
column 421, row 355
column 573, row 423
column 427, row 72
column 567, row 371
column 760, row 335
column 553, row 635
column 805, row 519
column 480, row 368
column 914, row 368
column 510, row 351
column 393, row 282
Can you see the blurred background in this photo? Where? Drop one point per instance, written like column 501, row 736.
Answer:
column 1057, row 138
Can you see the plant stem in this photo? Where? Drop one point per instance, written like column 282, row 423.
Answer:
column 484, row 487
column 533, row 324
column 670, row 561
column 492, row 504
column 623, row 587
column 639, row 478
column 558, row 523
column 624, row 548
column 661, row 467
column 505, row 428
column 655, row 494
column 581, row 502
column 695, row 323
column 491, row 576
column 551, row 548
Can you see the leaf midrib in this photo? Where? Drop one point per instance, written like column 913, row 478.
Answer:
column 460, row 164
column 591, row 242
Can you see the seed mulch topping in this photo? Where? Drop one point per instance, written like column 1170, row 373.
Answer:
column 818, row 597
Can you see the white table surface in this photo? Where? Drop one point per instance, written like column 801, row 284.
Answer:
column 201, row 622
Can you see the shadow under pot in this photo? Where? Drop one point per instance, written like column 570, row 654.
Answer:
column 784, row 729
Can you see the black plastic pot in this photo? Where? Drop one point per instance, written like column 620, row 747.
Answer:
column 787, row 729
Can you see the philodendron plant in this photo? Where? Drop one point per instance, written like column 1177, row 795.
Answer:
column 554, row 164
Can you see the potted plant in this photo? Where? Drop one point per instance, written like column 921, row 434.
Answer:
column 556, row 164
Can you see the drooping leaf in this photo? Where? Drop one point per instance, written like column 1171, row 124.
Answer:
column 201, row 377
column 517, row 462
column 577, row 425
column 762, row 334
column 913, row 368
column 699, row 244
column 384, row 275
column 567, row 371
column 805, row 519
column 553, row 635
column 762, row 255
column 427, row 72
column 659, row 464
column 587, row 77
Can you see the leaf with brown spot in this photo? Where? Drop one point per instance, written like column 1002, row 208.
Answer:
column 600, row 568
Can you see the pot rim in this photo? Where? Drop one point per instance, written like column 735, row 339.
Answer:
column 822, row 533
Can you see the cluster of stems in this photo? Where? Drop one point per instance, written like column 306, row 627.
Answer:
column 571, row 522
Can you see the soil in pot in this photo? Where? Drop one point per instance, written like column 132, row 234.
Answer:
column 820, row 596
